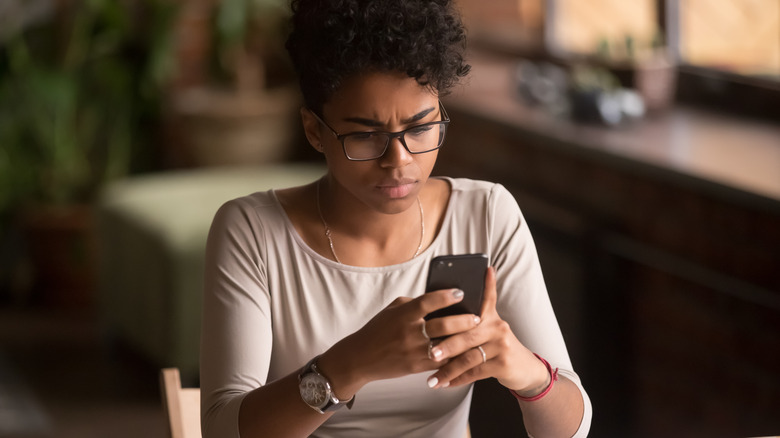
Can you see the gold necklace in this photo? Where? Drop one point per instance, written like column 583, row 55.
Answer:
column 330, row 240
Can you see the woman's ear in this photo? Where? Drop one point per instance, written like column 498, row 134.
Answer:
column 311, row 127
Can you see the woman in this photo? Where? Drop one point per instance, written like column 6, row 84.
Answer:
column 314, row 294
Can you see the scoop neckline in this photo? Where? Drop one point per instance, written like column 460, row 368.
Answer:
column 387, row 268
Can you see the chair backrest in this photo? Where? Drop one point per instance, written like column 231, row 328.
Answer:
column 181, row 405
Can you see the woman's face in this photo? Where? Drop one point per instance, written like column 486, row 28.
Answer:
column 378, row 102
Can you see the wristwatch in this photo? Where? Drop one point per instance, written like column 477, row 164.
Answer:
column 316, row 390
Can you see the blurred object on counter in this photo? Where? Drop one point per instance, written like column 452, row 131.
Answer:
column 544, row 84
column 597, row 96
column 649, row 69
column 586, row 93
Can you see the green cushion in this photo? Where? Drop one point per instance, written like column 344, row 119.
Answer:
column 152, row 234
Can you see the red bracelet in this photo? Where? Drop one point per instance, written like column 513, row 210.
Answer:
column 553, row 378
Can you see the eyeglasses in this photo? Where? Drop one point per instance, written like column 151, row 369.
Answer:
column 370, row 145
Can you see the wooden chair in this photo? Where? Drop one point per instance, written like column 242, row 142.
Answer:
column 181, row 405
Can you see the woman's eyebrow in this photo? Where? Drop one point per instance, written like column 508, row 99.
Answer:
column 377, row 124
column 417, row 117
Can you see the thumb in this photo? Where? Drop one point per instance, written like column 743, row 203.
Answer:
column 490, row 296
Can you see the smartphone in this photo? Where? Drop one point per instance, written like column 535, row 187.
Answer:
column 465, row 272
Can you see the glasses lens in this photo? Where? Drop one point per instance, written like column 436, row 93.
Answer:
column 365, row 145
column 424, row 138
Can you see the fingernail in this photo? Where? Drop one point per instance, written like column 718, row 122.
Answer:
column 476, row 319
column 436, row 352
column 457, row 293
column 432, row 381
column 444, row 385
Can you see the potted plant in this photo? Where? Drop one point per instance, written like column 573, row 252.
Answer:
column 246, row 113
column 646, row 66
column 79, row 90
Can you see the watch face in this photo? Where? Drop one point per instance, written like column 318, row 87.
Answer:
column 315, row 391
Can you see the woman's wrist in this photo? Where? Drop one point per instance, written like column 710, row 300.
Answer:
column 538, row 391
column 343, row 380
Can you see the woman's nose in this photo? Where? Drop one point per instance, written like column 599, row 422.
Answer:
column 396, row 154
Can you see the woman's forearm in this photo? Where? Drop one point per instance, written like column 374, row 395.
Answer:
column 277, row 410
column 557, row 414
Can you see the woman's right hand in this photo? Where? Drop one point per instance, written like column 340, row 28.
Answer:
column 392, row 344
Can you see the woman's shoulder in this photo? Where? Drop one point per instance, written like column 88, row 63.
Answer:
column 253, row 207
column 250, row 202
column 476, row 188
column 471, row 196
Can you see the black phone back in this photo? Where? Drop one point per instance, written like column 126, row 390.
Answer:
column 465, row 272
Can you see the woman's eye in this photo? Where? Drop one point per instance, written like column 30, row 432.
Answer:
column 419, row 130
column 362, row 135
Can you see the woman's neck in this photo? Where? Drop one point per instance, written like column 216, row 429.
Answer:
column 360, row 235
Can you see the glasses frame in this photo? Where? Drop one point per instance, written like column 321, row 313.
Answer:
column 390, row 135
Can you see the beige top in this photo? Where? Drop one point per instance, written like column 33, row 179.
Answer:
column 271, row 303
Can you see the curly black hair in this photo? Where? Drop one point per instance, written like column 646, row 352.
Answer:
column 332, row 40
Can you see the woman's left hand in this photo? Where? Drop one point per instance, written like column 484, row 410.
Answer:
column 504, row 358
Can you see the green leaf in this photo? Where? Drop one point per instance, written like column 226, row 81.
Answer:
column 232, row 20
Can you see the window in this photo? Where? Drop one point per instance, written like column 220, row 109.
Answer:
column 736, row 36
column 739, row 36
column 614, row 29
column 504, row 23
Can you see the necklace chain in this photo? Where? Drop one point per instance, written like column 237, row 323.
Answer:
column 330, row 239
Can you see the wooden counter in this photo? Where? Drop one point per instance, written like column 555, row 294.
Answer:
column 660, row 242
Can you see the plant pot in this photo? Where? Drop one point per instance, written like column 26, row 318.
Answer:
column 654, row 79
column 61, row 247
column 221, row 128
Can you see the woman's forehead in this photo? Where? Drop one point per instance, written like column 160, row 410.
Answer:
column 382, row 95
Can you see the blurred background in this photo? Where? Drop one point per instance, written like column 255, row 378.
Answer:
column 641, row 139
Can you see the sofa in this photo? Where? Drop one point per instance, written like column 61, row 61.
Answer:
column 152, row 232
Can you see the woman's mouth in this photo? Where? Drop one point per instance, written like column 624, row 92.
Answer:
column 396, row 189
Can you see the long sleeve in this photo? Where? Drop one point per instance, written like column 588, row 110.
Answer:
column 523, row 300
column 236, row 336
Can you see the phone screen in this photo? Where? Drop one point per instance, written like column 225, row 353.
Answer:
column 465, row 272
